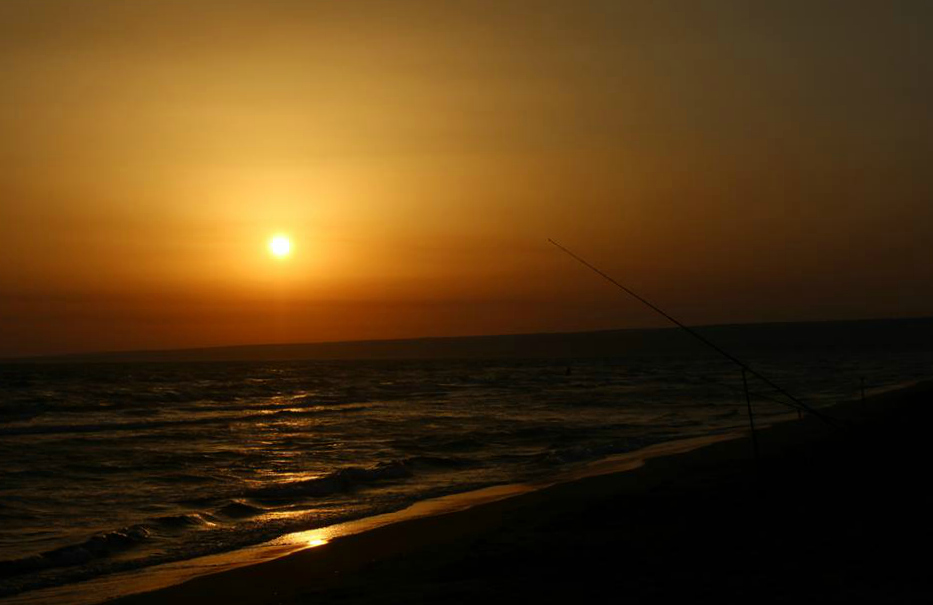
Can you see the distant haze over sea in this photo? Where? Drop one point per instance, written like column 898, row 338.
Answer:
column 829, row 335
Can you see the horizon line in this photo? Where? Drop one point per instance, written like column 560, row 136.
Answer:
column 365, row 341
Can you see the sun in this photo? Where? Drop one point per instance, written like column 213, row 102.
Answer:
column 280, row 246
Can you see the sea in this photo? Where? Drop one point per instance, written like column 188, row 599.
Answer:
column 116, row 467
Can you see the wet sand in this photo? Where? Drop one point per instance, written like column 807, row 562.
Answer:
column 827, row 513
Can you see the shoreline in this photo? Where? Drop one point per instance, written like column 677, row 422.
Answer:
column 813, row 517
column 114, row 587
column 323, row 560
column 794, row 454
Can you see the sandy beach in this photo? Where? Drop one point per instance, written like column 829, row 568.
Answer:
column 826, row 513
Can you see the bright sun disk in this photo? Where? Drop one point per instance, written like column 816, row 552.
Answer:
column 280, row 246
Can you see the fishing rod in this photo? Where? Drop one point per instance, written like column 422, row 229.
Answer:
column 794, row 402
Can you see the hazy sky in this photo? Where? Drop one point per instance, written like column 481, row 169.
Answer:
column 733, row 161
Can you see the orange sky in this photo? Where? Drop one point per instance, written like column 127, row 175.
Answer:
column 731, row 161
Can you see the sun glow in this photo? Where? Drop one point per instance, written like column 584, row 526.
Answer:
column 280, row 246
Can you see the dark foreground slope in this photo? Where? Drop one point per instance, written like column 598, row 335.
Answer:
column 829, row 514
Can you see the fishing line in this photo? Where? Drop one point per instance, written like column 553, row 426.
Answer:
column 794, row 402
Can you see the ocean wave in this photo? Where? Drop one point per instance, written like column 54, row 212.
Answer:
column 458, row 443
column 340, row 481
column 565, row 455
column 248, row 415
column 186, row 520
column 100, row 545
column 443, row 462
column 104, row 427
column 237, row 509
